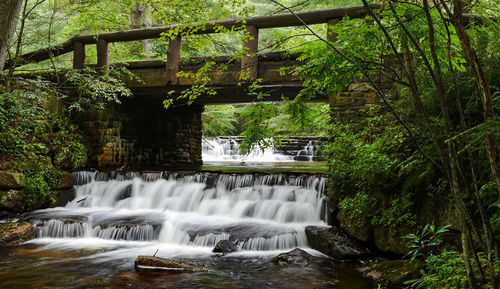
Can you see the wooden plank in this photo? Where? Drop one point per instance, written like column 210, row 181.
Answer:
column 43, row 54
column 330, row 35
column 78, row 55
column 102, row 55
column 250, row 61
column 173, row 60
column 271, row 21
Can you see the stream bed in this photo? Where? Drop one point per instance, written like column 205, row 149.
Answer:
column 93, row 241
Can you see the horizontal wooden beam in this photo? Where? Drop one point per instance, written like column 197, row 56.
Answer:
column 260, row 22
column 43, row 54
column 271, row 21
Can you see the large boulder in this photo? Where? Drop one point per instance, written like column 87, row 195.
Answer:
column 296, row 257
column 390, row 239
column 151, row 263
column 63, row 197
column 225, row 246
column 12, row 180
column 12, row 201
column 334, row 242
column 358, row 228
column 68, row 181
column 15, row 233
column 392, row 273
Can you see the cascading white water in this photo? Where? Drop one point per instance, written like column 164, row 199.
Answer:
column 258, row 212
column 307, row 153
column 226, row 149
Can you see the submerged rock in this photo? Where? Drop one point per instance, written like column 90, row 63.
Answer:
column 15, row 233
column 334, row 243
column 151, row 263
column 225, row 246
column 392, row 273
column 295, row 257
column 12, row 180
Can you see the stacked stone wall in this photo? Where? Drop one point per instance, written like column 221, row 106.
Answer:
column 141, row 133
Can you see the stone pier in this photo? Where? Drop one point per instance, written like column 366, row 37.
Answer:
column 141, row 133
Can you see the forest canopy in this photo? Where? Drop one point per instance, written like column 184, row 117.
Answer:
column 432, row 134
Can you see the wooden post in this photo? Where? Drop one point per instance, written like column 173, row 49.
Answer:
column 330, row 35
column 250, row 61
column 102, row 55
column 173, row 60
column 78, row 55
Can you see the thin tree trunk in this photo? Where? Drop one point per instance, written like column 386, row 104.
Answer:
column 139, row 18
column 491, row 245
column 19, row 40
column 9, row 16
column 484, row 91
column 406, row 65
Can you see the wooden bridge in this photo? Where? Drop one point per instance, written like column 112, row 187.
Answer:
column 140, row 132
column 159, row 76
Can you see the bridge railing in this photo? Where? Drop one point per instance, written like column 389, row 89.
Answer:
column 249, row 62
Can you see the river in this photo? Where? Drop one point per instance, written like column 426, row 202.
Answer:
column 93, row 241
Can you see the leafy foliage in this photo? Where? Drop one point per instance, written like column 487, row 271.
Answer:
column 445, row 270
column 36, row 137
column 218, row 120
column 96, row 89
column 425, row 241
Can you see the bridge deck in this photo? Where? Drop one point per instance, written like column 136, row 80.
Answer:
column 154, row 76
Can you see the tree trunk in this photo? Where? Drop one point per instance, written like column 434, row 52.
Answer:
column 139, row 18
column 484, row 91
column 9, row 16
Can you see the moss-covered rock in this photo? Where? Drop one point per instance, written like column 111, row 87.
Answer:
column 357, row 228
column 67, row 181
column 15, row 233
column 334, row 243
column 390, row 239
column 12, row 180
column 392, row 273
column 12, row 201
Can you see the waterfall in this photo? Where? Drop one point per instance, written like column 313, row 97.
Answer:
column 307, row 153
column 257, row 212
column 228, row 149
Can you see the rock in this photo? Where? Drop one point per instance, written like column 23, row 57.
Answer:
column 392, row 273
column 334, row 243
column 63, row 159
column 225, row 246
column 359, row 229
column 36, row 163
column 12, row 180
column 160, row 264
column 389, row 239
column 67, row 181
column 295, row 257
column 62, row 197
column 12, row 201
column 16, row 233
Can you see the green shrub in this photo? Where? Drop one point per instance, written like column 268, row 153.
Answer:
column 442, row 271
column 36, row 138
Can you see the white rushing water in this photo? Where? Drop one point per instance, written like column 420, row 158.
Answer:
column 228, row 149
column 189, row 214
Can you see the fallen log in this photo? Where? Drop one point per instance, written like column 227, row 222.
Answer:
column 151, row 263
